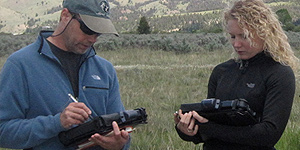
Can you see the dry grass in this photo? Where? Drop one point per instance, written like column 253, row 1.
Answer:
column 160, row 81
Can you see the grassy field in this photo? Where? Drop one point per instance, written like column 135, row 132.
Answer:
column 164, row 82
column 160, row 81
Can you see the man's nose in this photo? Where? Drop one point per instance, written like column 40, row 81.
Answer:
column 93, row 38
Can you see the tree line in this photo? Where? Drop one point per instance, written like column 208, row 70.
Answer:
column 204, row 23
column 179, row 43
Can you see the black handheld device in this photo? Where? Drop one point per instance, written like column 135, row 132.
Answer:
column 228, row 112
column 102, row 125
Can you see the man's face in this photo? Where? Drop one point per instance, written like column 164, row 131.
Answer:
column 76, row 40
column 241, row 43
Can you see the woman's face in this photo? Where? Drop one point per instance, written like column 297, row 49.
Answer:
column 240, row 42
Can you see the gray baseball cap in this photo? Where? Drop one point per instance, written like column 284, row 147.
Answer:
column 94, row 14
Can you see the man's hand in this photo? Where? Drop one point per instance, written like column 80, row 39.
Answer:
column 114, row 141
column 73, row 114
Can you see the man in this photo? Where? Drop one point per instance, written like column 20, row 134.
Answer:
column 35, row 83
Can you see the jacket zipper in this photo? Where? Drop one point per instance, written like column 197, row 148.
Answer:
column 92, row 87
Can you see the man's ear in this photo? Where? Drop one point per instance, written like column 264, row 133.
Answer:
column 65, row 15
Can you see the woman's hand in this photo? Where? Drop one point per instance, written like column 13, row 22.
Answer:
column 199, row 118
column 186, row 123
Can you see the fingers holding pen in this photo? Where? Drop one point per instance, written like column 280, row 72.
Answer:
column 82, row 109
column 74, row 113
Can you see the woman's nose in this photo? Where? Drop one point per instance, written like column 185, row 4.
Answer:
column 237, row 43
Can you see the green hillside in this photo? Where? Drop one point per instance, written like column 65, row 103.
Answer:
column 18, row 16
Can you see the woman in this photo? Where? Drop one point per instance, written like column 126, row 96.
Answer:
column 261, row 73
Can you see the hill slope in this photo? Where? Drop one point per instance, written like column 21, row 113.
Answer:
column 18, row 15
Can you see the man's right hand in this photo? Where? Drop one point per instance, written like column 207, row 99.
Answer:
column 74, row 114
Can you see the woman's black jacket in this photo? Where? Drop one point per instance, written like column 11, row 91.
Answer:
column 269, row 88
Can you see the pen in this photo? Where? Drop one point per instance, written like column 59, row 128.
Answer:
column 73, row 98
column 76, row 101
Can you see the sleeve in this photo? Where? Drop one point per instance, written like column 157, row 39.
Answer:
column 211, row 92
column 114, row 102
column 196, row 139
column 16, row 130
column 280, row 93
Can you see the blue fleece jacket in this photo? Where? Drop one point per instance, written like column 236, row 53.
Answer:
column 34, row 91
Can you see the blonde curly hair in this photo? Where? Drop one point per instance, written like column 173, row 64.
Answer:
column 256, row 18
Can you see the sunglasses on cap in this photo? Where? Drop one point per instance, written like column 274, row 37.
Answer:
column 84, row 28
